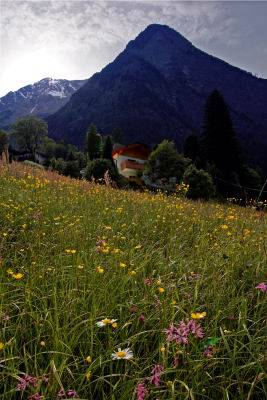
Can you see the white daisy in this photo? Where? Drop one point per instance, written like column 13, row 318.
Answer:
column 105, row 321
column 124, row 354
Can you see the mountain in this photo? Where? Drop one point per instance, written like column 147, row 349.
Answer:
column 157, row 88
column 42, row 98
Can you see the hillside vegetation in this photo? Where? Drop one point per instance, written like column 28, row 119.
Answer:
column 87, row 270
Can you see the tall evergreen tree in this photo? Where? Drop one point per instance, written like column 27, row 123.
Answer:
column 220, row 143
column 191, row 147
column 93, row 143
column 117, row 136
column 107, row 148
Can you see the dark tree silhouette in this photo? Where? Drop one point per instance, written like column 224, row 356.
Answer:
column 107, row 148
column 93, row 143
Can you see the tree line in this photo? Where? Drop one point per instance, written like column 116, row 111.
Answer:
column 211, row 163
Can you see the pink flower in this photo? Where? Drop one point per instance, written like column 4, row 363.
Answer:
column 262, row 287
column 71, row 393
column 178, row 333
column 45, row 378
column 209, row 352
column 142, row 318
column 35, row 396
column 196, row 329
column 31, row 380
column 148, row 281
column 156, row 373
column 22, row 384
column 141, row 391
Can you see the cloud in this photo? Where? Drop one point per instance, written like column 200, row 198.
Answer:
column 77, row 38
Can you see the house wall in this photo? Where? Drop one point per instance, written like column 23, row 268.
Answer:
column 126, row 172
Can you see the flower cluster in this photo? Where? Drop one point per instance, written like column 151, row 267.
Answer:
column 180, row 333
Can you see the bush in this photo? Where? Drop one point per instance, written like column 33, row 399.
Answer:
column 166, row 162
column 97, row 168
column 200, row 183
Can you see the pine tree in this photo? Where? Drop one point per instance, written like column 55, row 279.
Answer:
column 191, row 147
column 93, row 143
column 117, row 136
column 107, row 148
column 220, row 143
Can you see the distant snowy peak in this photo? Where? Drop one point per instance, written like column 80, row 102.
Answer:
column 41, row 98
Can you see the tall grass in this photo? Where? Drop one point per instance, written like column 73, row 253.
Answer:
column 86, row 252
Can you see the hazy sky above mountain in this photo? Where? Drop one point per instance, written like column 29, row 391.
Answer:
column 73, row 39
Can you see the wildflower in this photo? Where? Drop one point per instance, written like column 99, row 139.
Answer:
column 122, row 265
column 156, row 373
column 35, row 396
column 133, row 273
column 18, row 276
column 161, row 290
column 262, row 287
column 178, row 333
column 105, row 321
column 209, row 351
column 2, row 345
column 88, row 359
column 141, row 391
column 21, row 385
column 148, row 281
column 125, row 354
column 224, row 226
column 138, row 247
column 45, row 378
column 88, row 375
column 162, row 349
column 42, row 343
column 114, row 325
column 71, row 393
column 10, row 271
column 142, row 318
column 196, row 329
column 198, row 315
column 100, row 270
column 31, row 380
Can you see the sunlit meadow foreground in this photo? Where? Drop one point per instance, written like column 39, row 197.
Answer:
column 109, row 294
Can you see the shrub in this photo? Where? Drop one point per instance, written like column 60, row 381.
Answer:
column 96, row 169
column 200, row 183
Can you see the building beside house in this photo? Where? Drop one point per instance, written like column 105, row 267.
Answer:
column 130, row 160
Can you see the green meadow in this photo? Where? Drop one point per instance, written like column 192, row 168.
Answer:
column 91, row 277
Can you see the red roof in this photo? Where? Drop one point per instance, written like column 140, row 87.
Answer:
column 135, row 149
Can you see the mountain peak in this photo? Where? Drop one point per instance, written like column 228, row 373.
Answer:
column 159, row 34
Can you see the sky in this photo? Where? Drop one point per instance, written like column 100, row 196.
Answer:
column 74, row 39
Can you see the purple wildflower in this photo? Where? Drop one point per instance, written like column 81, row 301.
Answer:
column 209, row 351
column 262, row 287
column 35, row 396
column 142, row 318
column 196, row 329
column 156, row 373
column 148, row 281
column 61, row 394
column 45, row 378
column 31, row 380
column 178, row 333
column 22, row 384
column 71, row 394
column 141, row 391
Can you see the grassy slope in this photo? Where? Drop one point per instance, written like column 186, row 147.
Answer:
column 206, row 257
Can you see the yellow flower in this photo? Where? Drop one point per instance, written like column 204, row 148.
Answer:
column 9, row 271
column 162, row 349
column 18, row 276
column 161, row 290
column 114, row 325
column 2, row 345
column 88, row 359
column 122, row 265
column 100, row 270
column 132, row 273
column 80, row 266
column 224, row 226
column 138, row 247
column 88, row 375
column 174, row 302
column 198, row 315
